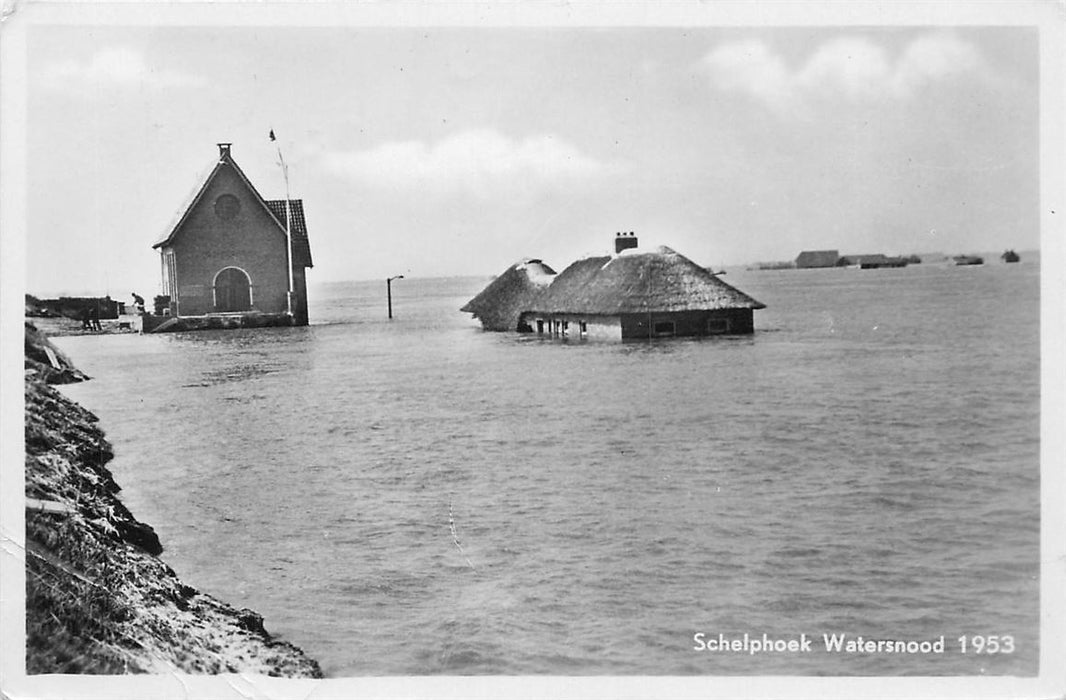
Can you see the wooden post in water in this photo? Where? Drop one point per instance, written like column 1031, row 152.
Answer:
column 388, row 288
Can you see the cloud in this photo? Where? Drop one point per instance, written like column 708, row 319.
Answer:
column 750, row 66
column 119, row 67
column 478, row 162
column 856, row 68
column 933, row 58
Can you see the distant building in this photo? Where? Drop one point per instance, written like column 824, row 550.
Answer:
column 872, row 262
column 817, row 258
column 229, row 252
column 776, row 265
column 75, row 307
column 634, row 294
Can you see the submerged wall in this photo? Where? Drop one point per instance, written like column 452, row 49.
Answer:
column 643, row 326
column 578, row 326
column 688, row 323
column 177, row 324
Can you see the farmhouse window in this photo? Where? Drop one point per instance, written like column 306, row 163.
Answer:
column 664, row 328
column 717, row 325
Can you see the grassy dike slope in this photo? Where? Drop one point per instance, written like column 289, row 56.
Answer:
column 98, row 600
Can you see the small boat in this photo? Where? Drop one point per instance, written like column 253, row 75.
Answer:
column 968, row 260
column 1010, row 257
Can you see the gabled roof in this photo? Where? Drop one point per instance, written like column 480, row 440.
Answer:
column 189, row 203
column 500, row 304
column 301, row 245
column 817, row 258
column 637, row 281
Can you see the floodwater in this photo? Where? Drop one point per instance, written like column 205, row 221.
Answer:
column 421, row 497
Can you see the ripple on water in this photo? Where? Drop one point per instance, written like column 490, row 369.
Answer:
column 423, row 497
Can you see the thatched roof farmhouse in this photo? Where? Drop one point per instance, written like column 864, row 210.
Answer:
column 634, row 293
column 500, row 304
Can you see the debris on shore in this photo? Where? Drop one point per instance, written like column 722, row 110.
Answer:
column 98, row 598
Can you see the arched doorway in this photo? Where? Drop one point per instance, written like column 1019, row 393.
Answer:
column 233, row 290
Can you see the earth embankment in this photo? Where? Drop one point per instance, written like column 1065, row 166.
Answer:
column 98, row 597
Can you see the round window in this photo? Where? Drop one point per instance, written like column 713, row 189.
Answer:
column 227, row 206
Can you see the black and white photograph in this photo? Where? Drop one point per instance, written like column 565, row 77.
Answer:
column 523, row 350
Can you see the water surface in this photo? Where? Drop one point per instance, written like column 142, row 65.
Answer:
column 421, row 497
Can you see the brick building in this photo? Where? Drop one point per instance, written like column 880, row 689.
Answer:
column 229, row 252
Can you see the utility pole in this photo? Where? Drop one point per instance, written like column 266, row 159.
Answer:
column 388, row 288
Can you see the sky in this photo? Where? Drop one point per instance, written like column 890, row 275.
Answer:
column 446, row 151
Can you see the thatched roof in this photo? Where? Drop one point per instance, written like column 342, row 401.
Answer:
column 499, row 305
column 638, row 281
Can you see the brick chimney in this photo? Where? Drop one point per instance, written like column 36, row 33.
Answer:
column 223, row 150
column 623, row 241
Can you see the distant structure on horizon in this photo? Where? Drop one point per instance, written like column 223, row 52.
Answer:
column 809, row 259
column 874, row 261
column 817, row 258
column 229, row 260
column 633, row 294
